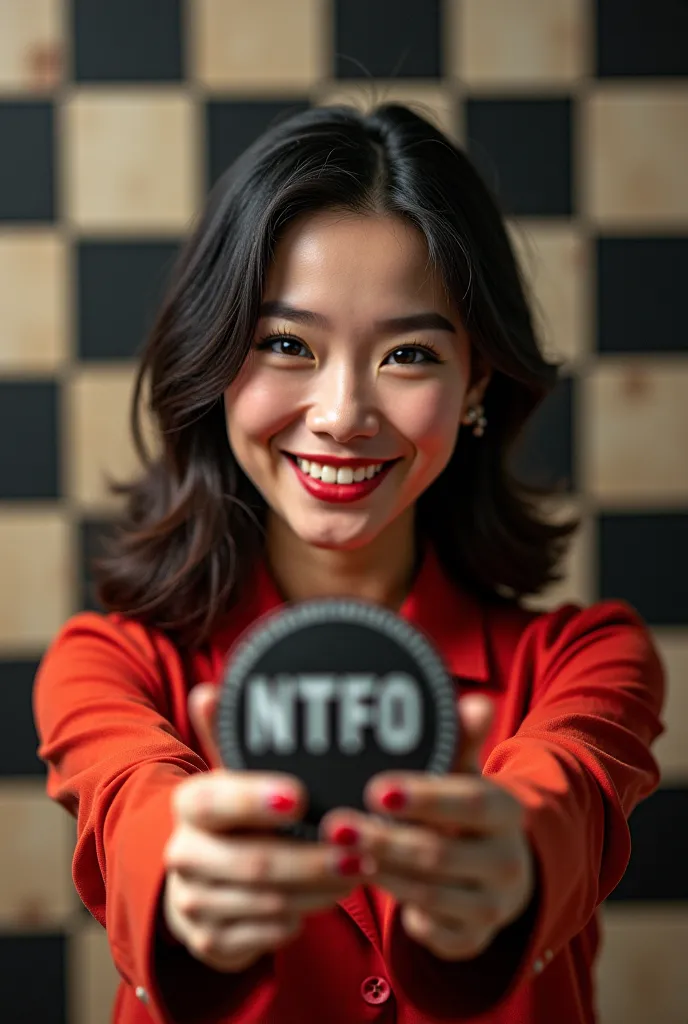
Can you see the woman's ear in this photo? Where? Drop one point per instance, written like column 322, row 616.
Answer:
column 480, row 378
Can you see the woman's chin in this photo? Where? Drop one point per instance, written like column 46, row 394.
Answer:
column 347, row 537
column 337, row 543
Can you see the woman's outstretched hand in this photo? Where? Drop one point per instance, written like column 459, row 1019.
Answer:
column 235, row 889
column 456, row 857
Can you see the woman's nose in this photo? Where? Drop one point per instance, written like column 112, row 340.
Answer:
column 342, row 407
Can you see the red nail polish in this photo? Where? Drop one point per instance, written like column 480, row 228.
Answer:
column 282, row 802
column 349, row 865
column 344, row 835
column 393, row 799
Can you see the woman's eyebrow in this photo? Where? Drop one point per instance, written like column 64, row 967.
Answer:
column 413, row 322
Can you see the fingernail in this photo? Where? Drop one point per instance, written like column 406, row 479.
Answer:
column 344, row 835
column 349, row 865
column 283, row 803
column 393, row 799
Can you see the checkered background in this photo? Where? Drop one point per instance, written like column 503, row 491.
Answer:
column 115, row 117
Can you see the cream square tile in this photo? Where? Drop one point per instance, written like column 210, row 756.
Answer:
column 634, row 156
column 500, row 42
column 100, row 442
column 33, row 300
column 36, row 889
column 436, row 103
column 635, row 428
column 36, row 592
column 265, row 45
column 555, row 260
column 671, row 749
column 31, row 45
column 93, row 977
column 131, row 160
column 642, row 966
column 577, row 567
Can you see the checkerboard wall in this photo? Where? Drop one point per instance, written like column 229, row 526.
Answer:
column 115, row 117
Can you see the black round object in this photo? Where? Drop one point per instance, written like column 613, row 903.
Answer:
column 334, row 691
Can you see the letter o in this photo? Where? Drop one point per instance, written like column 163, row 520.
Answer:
column 399, row 724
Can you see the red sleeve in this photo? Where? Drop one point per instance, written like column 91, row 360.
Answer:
column 113, row 759
column 579, row 762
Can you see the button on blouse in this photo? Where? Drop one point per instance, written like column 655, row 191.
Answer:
column 375, row 990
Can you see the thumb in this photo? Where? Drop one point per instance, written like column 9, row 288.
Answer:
column 202, row 702
column 476, row 712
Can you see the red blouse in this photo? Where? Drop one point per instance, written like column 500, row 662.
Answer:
column 578, row 694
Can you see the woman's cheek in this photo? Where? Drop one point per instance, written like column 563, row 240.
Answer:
column 257, row 409
column 429, row 419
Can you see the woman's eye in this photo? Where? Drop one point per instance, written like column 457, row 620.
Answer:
column 409, row 355
column 285, row 347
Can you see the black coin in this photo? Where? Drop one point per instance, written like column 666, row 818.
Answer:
column 333, row 692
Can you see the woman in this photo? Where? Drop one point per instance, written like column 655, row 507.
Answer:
column 348, row 308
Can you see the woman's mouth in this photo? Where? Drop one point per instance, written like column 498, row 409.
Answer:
column 347, row 481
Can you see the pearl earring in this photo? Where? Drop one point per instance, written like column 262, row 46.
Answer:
column 476, row 416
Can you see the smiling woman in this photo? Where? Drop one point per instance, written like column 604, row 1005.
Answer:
column 343, row 360
column 343, row 384
column 349, row 296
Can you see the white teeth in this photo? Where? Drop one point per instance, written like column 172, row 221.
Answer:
column 342, row 475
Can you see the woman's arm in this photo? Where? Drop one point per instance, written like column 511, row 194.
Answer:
column 114, row 758
column 579, row 763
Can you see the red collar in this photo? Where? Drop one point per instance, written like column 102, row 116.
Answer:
column 450, row 616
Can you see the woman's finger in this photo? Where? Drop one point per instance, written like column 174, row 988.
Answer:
column 425, row 854
column 263, row 862
column 202, row 703
column 470, row 802
column 229, row 903
column 453, row 905
column 446, row 941
column 222, row 800
column 225, row 947
column 476, row 713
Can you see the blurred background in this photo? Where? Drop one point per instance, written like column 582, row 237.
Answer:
column 115, row 118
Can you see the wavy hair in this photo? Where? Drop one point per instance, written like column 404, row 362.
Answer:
column 193, row 523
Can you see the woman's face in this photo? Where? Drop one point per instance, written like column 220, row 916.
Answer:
column 343, row 414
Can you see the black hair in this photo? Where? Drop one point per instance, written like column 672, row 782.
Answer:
column 194, row 522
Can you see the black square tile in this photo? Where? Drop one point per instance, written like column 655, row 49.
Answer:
column 29, row 465
column 543, row 455
column 127, row 40
column 523, row 149
column 644, row 560
column 120, row 285
column 27, row 166
column 92, row 533
column 18, row 738
column 635, row 37
column 387, row 39
column 233, row 125
column 33, row 983
column 659, row 837
column 641, row 284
